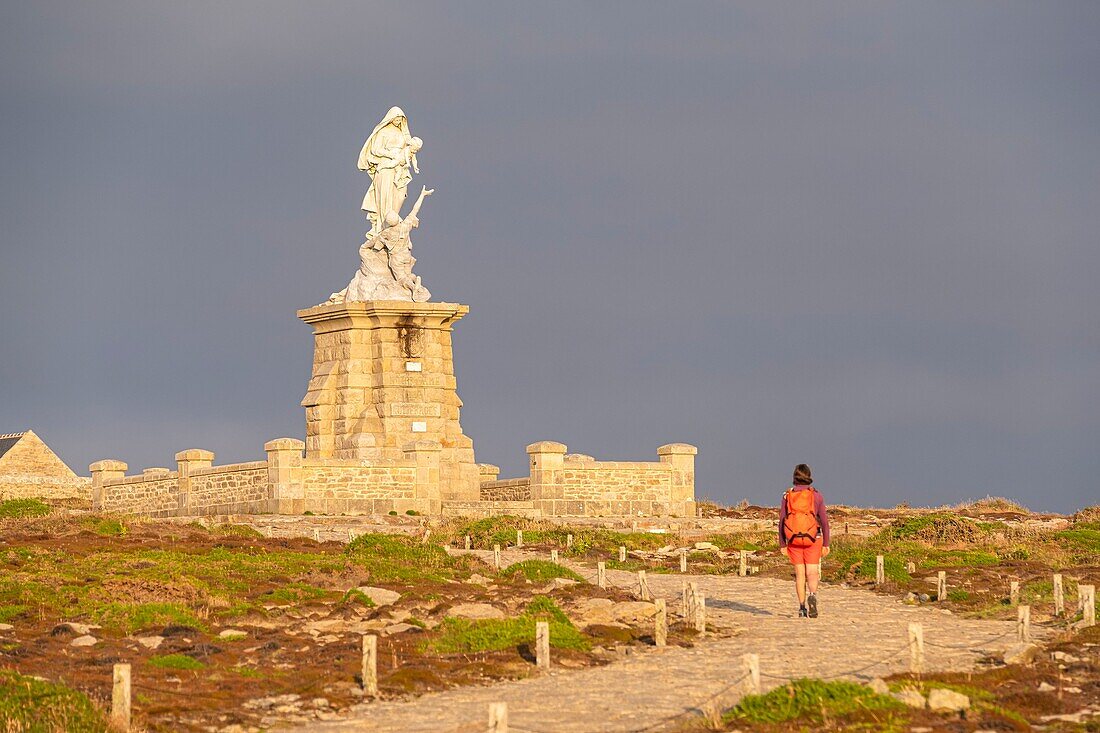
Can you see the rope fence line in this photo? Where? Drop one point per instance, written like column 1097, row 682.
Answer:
column 968, row 648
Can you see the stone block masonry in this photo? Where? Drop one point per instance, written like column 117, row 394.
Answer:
column 30, row 470
column 579, row 485
column 284, row 483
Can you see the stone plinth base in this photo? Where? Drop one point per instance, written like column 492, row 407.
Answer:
column 383, row 376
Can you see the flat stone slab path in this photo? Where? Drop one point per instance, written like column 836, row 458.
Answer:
column 860, row 635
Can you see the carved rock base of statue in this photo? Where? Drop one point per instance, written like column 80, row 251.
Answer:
column 383, row 377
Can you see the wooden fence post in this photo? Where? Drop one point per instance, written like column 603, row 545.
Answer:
column 941, row 586
column 1087, row 598
column 316, row 534
column 743, row 564
column 569, row 542
column 370, row 664
column 751, row 664
column 1014, row 593
column 1023, row 623
column 498, row 717
column 622, row 553
column 880, row 570
column 519, row 538
column 916, row 648
column 660, row 623
column 351, row 535
column 496, row 556
column 120, row 696
column 601, row 574
column 1059, row 596
column 634, row 526
column 643, row 587
column 701, row 614
column 910, row 567
column 553, row 555
column 542, row 644
column 683, row 560
column 469, row 544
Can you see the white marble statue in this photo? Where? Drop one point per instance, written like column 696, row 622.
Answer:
column 386, row 262
column 387, row 155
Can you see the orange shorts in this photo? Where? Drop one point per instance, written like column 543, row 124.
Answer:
column 805, row 555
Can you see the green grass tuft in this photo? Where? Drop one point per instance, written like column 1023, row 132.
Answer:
column 463, row 635
column 176, row 661
column 28, row 705
column 393, row 558
column 23, row 508
column 810, row 700
column 540, row 571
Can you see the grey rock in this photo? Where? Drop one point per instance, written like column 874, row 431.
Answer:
column 1021, row 653
column 924, row 598
column 150, row 642
column 878, row 686
column 86, row 640
column 380, row 596
column 941, row 700
column 910, row 697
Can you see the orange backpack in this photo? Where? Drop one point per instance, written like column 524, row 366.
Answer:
column 801, row 526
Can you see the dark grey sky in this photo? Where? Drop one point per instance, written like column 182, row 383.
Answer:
column 859, row 235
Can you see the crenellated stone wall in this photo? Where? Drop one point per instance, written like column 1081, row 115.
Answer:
column 288, row 483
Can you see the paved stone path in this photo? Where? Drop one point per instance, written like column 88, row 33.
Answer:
column 860, row 635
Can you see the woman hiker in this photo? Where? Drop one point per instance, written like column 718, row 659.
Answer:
column 804, row 536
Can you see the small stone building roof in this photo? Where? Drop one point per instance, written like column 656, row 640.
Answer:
column 8, row 441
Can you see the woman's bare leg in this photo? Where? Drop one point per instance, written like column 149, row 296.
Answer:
column 800, row 583
column 813, row 574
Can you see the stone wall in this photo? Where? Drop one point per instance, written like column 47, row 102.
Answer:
column 578, row 485
column 285, row 483
column 515, row 489
column 239, row 488
column 336, row 486
column 150, row 494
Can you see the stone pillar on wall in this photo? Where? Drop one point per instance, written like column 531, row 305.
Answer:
column 187, row 462
column 383, row 375
column 286, row 490
column 547, row 459
column 488, row 472
column 682, row 458
column 428, row 496
column 106, row 470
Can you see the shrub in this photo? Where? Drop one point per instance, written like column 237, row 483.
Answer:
column 937, row 528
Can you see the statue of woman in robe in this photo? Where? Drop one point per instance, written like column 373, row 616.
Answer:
column 387, row 155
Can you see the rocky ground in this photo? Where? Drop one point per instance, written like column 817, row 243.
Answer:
column 235, row 627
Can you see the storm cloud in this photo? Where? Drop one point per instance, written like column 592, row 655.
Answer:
column 857, row 235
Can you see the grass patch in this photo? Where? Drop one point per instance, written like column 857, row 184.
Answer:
column 935, row 528
column 464, row 636
column 810, row 700
column 28, row 705
column 397, row 558
column 540, row 570
column 293, row 593
column 130, row 617
column 176, row 661
column 356, row 596
column 23, row 508
column 105, row 526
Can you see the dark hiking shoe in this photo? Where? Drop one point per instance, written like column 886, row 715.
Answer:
column 812, row 602
column 802, row 612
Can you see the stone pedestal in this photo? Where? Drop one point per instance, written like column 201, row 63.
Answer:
column 383, row 377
